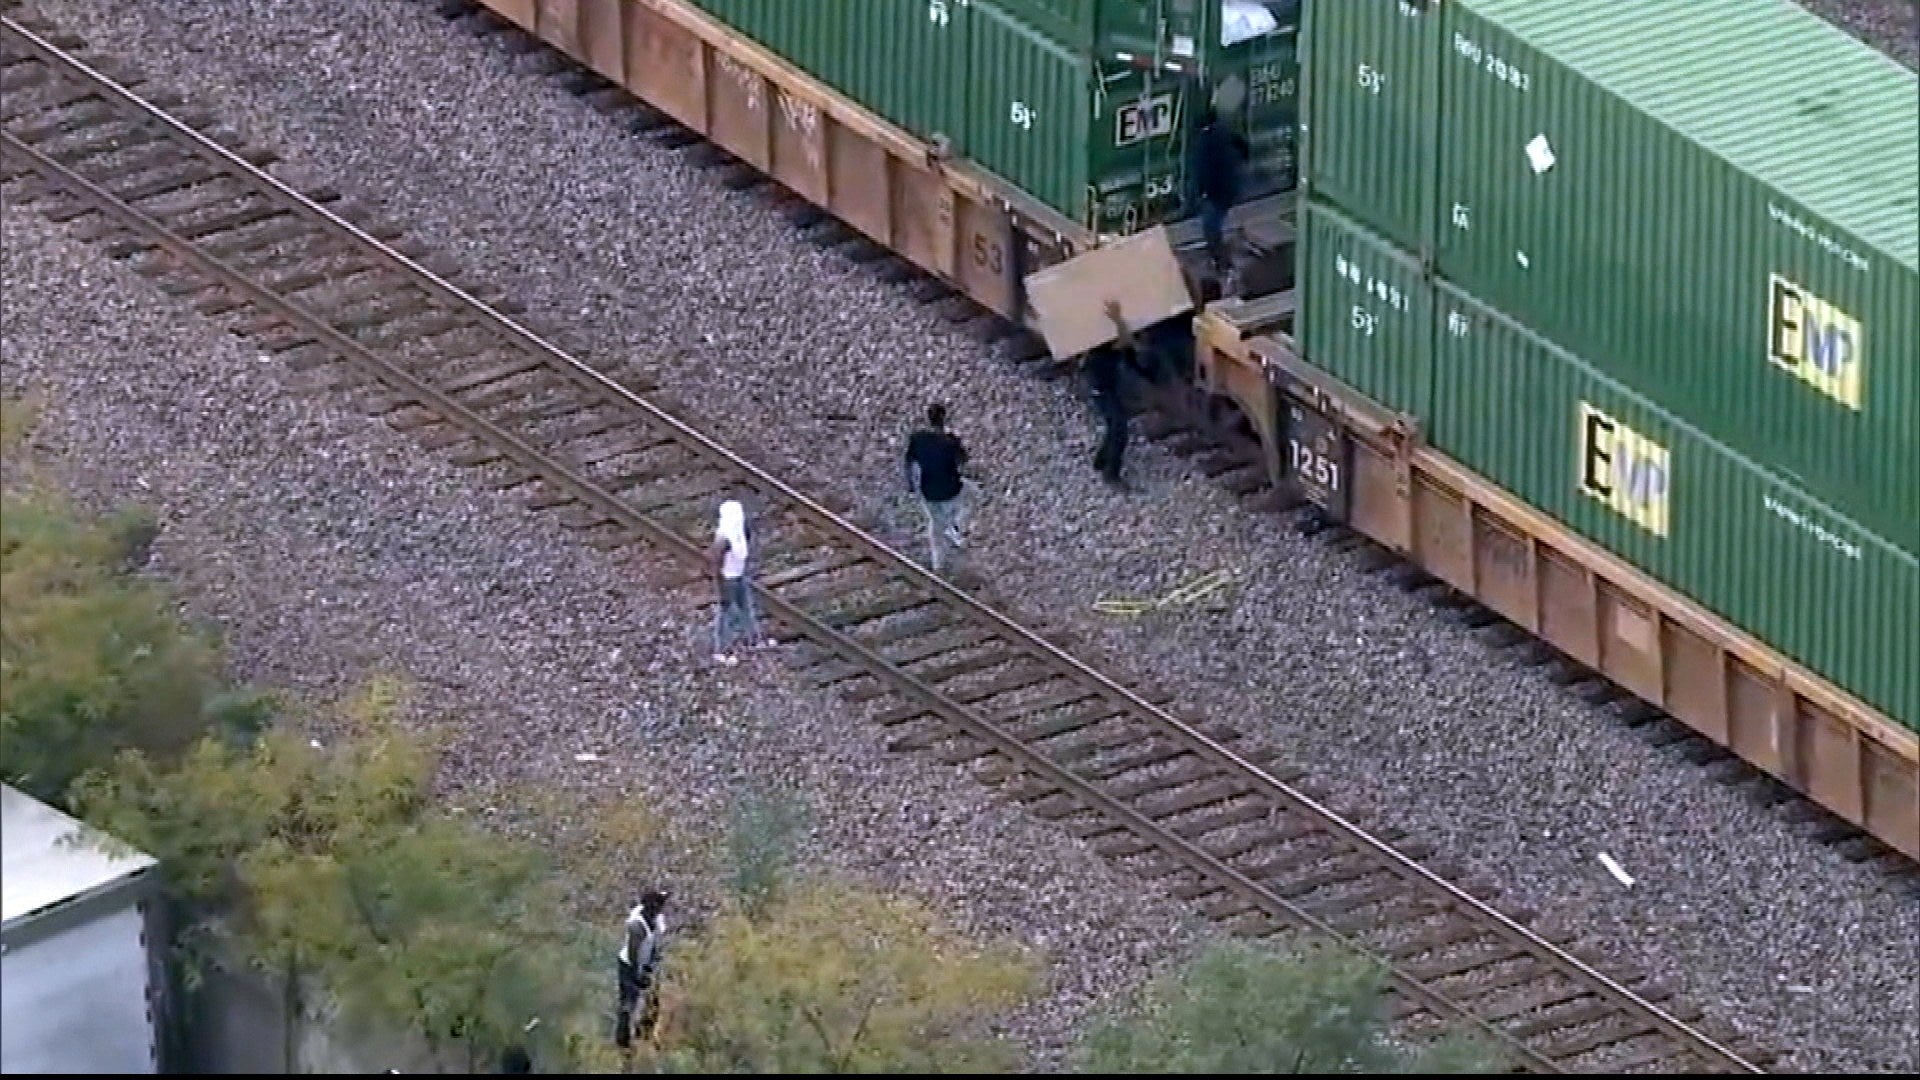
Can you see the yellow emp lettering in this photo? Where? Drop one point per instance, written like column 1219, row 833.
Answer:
column 1623, row 469
column 1815, row 340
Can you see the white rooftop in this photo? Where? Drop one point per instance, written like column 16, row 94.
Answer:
column 40, row 867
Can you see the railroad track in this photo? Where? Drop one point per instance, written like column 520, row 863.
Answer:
column 945, row 674
column 1219, row 447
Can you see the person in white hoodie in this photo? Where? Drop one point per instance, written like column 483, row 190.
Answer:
column 736, row 620
column 638, row 968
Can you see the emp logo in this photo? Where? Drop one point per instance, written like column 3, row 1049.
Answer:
column 1814, row 340
column 1625, row 470
column 1147, row 118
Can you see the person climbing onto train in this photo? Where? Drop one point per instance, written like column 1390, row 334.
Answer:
column 1103, row 366
column 1219, row 154
column 934, row 459
column 736, row 620
column 638, row 968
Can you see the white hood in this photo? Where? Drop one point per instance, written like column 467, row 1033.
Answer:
column 733, row 526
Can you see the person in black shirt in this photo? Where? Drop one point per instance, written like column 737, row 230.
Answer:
column 1103, row 365
column 1219, row 153
column 934, row 460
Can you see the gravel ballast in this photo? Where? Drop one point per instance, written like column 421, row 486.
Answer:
column 1892, row 26
column 326, row 551
column 631, row 252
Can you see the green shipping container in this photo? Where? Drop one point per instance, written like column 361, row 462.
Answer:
column 1719, row 201
column 898, row 55
column 1097, row 133
column 1094, row 26
column 1368, row 126
column 810, row 36
column 1193, row 36
column 1103, row 142
column 1365, row 310
column 1629, row 475
column 1257, row 90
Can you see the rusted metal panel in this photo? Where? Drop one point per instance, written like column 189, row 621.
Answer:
column 739, row 113
column 558, row 24
column 1503, row 571
column 800, row 147
column 1567, row 608
column 860, row 175
column 1378, row 508
column 1830, row 760
column 923, row 219
column 1696, row 683
column 989, row 264
column 666, row 66
column 602, row 37
column 522, row 13
column 1629, row 637
column 1443, row 534
column 1753, row 727
column 1891, row 790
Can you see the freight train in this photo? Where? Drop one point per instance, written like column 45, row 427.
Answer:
column 1606, row 315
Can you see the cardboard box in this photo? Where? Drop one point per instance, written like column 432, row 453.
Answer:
column 1140, row 272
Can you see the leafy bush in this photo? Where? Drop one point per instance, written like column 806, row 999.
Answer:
column 93, row 659
column 1238, row 1008
column 829, row 978
column 332, row 863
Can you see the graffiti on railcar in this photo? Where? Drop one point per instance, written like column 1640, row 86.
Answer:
column 803, row 117
column 746, row 78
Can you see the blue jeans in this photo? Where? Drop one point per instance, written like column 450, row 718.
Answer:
column 943, row 525
column 736, row 620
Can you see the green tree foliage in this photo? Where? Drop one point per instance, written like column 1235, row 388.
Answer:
column 1238, row 1008
column 825, row 978
column 331, row 863
column 92, row 659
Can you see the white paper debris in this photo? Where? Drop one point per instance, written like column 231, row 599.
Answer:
column 1521, row 258
column 1540, row 154
column 585, row 757
column 1613, row 868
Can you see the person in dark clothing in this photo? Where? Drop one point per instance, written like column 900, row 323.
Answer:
column 933, row 463
column 638, row 964
column 1104, row 367
column 1219, row 155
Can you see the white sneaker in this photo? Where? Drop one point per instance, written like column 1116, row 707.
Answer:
column 953, row 535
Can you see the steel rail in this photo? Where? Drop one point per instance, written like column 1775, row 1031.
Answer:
column 930, row 698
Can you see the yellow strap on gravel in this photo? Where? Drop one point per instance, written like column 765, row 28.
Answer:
column 1192, row 591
